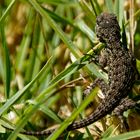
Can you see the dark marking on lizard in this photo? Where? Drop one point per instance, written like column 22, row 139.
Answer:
column 121, row 73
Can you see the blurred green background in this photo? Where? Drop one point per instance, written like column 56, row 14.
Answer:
column 45, row 49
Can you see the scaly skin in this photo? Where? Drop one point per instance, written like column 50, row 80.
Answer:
column 121, row 72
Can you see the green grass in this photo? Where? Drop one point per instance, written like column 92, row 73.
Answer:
column 44, row 66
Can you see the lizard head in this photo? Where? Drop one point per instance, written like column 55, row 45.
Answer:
column 107, row 28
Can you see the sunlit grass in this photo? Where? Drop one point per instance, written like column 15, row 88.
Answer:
column 44, row 64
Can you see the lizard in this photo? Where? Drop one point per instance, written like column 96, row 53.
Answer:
column 121, row 75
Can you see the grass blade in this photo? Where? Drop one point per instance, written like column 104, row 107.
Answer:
column 125, row 136
column 57, row 29
column 7, row 11
column 7, row 67
column 119, row 8
column 14, row 98
column 109, row 5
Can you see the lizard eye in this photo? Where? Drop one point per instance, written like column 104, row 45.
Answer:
column 107, row 22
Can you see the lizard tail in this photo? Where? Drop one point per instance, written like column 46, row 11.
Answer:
column 85, row 122
column 102, row 110
column 32, row 133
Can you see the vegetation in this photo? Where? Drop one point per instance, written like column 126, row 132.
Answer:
column 45, row 49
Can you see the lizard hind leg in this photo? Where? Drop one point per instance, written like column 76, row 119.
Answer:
column 124, row 105
column 98, row 82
